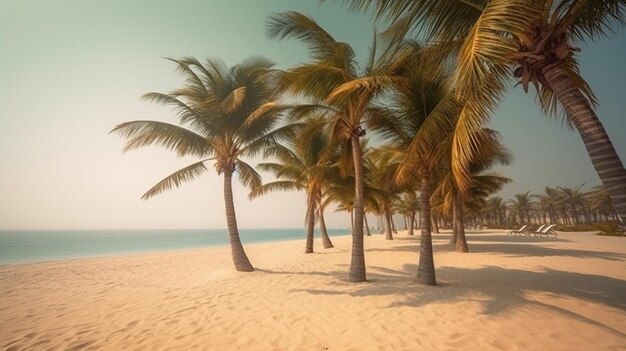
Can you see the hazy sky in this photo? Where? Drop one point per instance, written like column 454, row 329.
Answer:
column 71, row 70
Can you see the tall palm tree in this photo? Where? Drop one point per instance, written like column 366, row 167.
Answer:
column 302, row 164
column 536, row 37
column 415, row 127
column 339, row 189
column 334, row 84
column 224, row 114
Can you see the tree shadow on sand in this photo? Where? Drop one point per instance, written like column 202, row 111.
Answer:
column 499, row 289
column 524, row 250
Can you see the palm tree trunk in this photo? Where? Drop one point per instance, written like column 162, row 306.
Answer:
column 461, row 241
column 394, row 227
column 426, row 267
column 575, row 215
column 603, row 156
column 455, row 229
column 240, row 259
column 357, row 263
column 586, row 215
column 388, row 224
column 411, row 223
column 435, row 224
column 310, row 224
column 352, row 219
column 565, row 217
column 323, row 231
column 367, row 226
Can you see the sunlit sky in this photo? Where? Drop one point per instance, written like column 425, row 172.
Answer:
column 71, row 70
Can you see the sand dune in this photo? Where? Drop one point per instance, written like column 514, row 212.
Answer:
column 510, row 293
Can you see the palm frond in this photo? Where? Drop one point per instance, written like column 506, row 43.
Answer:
column 312, row 81
column 276, row 136
column 268, row 110
column 285, row 171
column 175, row 179
column 254, row 69
column 193, row 80
column 591, row 19
column 293, row 24
column 234, row 100
column 248, row 176
column 279, row 185
column 374, row 85
column 144, row 133
column 389, row 124
column 185, row 113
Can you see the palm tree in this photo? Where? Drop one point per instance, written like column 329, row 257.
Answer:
column 497, row 205
column 575, row 199
column 339, row 189
column 408, row 206
column 523, row 205
column 553, row 199
column 415, row 127
column 224, row 114
column 489, row 152
column 302, row 165
column 537, row 38
column 382, row 176
column 336, row 87
column 600, row 201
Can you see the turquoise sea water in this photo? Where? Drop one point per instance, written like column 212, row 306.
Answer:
column 22, row 246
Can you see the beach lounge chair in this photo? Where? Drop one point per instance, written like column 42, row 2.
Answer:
column 534, row 232
column 543, row 230
column 517, row 232
column 549, row 230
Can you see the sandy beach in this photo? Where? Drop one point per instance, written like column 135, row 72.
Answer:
column 510, row 293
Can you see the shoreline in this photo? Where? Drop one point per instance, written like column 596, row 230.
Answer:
column 140, row 251
column 158, row 252
column 510, row 293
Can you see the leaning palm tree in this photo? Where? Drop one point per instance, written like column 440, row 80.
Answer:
column 224, row 114
column 335, row 86
column 302, row 164
column 536, row 40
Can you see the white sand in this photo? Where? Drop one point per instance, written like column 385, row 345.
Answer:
column 511, row 293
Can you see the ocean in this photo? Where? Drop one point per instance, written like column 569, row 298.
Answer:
column 26, row 246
